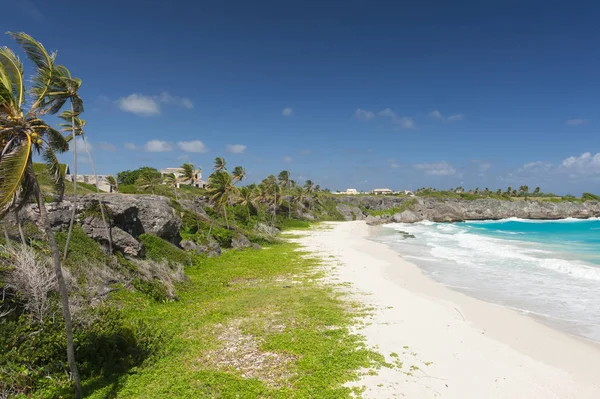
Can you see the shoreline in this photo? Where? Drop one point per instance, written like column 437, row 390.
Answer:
column 450, row 344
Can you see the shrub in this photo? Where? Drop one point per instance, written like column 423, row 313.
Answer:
column 158, row 249
column 590, row 197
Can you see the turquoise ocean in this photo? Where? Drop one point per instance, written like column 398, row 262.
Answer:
column 547, row 269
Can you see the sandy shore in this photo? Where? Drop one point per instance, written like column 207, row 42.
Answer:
column 450, row 345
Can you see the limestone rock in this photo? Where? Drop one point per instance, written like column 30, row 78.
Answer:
column 350, row 212
column 122, row 241
column 210, row 248
column 240, row 241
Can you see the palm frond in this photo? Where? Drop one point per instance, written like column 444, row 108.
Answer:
column 58, row 179
column 14, row 70
column 12, row 168
column 57, row 141
column 35, row 50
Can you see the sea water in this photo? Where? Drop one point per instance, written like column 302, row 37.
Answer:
column 549, row 269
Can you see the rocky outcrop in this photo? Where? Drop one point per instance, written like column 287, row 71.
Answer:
column 240, row 241
column 122, row 241
column 130, row 216
column 134, row 214
column 455, row 210
column 350, row 212
column 268, row 230
column 210, row 248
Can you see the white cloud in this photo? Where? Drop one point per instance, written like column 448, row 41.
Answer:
column 287, row 159
column 158, row 146
column 406, row 123
column 130, row 146
column 287, row 112
column 80, row 148
column 394, row 164
column 436, row 169
column 139, row 105
column 363, row 115
column 192, row 146
column 455, row 117
column 584, row 164
column 578, row 122
column 235, row 148
column 106, row 146
column 167, row 98
column 436, row 114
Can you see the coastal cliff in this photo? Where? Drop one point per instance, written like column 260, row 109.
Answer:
column 380, row 209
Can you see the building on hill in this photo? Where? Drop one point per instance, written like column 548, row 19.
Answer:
column 349, row 191
column 382, row 191
column 178, row 173
column 91, row 179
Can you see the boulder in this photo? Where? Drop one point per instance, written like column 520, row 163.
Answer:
column 188, row 245
column 240, row 241
column 122, row 241
column 350, row 212
column 407, row 216
column 210, row 248
column 267, row 229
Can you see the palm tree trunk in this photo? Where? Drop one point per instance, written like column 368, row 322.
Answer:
column 18, row 219
column 248, row 209
column 226, row 220
column 62, row 288
column 106, row 226
column 210, row 228
column 66, row 252
column 6, row 237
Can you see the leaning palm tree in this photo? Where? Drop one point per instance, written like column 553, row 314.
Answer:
column 309, row 188
column 221, row 191
column 171, row 181
column 238, row 174
column 286, row 182
column 112, row 182
column 23, row 133
column 148, row 182
column 75, row 127
column 220, row 164
column 245, row 198
column 187, row 173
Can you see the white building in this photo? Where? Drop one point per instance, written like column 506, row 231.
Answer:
column 91, row 179
column 178, row 173
column 350, row 191
column 382, row 191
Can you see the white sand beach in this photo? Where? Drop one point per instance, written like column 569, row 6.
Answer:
column 450, row 345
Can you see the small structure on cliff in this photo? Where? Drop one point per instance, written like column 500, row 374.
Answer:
column 196, row 181
column 382, row 191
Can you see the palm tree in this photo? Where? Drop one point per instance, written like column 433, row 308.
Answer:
column 148, row 182
column 76, row 128
column 238, row 174
column 499, row 191
column 509, row 190
column 22, row 133
column 299, row 195
column 220, row 164
column 536, row 191
column 221, row 190
column 188, row 173
column 171, row 181
column 286, row 182
column 246, row 197
column 112, row 182
column 309, row 187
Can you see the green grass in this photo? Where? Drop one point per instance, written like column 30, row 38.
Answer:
column 46, row 183
column 407, row 204
column 257, row 303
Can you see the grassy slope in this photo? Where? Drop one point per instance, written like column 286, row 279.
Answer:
column 270, row 299
column 46, row 184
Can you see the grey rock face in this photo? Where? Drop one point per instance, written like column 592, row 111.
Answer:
column 134, row 214
column 210, row 249
column 268, row 230
column 456, row 210
column 122, row 241
column 350, row 212
column 188, row 245
column 240, row 241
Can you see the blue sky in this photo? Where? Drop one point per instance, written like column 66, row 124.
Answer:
column 350, row 93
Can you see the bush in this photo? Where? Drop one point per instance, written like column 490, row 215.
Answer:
column 158, row 249
column 590, row 197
